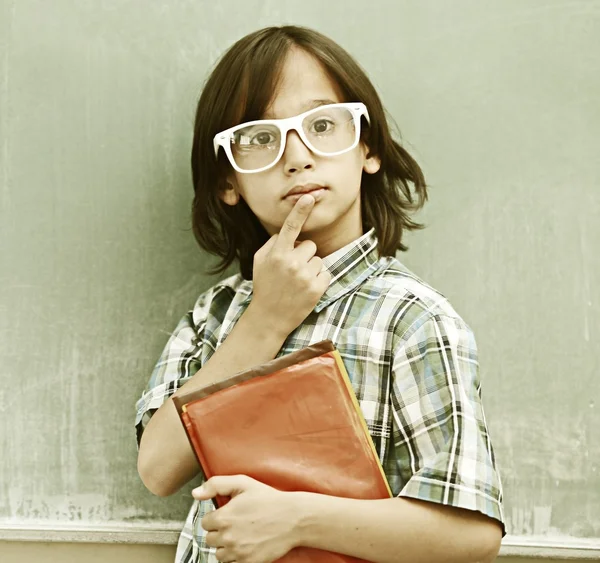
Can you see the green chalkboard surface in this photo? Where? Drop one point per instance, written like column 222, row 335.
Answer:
column 497, row 100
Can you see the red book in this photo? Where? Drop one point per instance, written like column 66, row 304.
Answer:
column 293, row 423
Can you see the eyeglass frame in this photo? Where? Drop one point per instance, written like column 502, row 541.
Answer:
column 223, row 139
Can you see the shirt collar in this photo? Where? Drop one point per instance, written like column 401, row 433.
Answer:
column 349, row 267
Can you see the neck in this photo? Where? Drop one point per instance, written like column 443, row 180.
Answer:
column 335, row 235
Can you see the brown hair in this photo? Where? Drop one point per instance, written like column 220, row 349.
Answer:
column 239, row 89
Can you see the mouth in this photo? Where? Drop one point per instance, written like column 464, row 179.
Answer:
column 297, row 192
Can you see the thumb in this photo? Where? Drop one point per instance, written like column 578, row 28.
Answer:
column 223, row 485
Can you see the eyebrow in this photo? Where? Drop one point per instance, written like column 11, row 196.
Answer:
column 317, row 103
column 310, row 105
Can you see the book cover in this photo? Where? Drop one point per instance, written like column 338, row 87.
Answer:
column 293, row 423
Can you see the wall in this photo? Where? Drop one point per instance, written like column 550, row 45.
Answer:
column 498, row 100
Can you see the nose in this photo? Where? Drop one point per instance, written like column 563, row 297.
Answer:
column 296, row 156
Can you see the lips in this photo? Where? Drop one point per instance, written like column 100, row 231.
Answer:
column 304, row 189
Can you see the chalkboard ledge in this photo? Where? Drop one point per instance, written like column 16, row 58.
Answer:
column 167, row 533
column 548, row 547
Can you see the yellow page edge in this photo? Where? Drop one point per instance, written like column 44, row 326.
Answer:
column 342, row 367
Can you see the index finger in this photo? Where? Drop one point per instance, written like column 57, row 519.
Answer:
column 294, row 222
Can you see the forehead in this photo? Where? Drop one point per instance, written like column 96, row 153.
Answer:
column 303, row 84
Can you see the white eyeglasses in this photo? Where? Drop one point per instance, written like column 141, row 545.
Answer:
column 328, row 130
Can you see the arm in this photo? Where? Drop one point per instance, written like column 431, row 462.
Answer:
column 260, row 523
column 166, row 460
column 288, row 283
column 439, row 462
column 396, row 530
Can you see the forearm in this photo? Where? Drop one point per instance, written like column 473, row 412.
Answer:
column 395, row 530
column 166, row 460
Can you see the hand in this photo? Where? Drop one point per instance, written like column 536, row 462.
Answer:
column 288, row 281
column 255, row 526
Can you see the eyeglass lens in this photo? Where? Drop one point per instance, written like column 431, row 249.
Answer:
column 328, row 130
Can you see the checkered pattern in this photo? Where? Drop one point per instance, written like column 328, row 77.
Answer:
column 413, row 365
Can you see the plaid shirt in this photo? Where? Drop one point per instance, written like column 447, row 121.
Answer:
column 413, row 365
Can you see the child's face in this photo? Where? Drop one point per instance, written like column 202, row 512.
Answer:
column 336, row 217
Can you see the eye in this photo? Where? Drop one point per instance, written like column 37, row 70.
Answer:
column 255, row 137
column 262, row 138
column 322, row 125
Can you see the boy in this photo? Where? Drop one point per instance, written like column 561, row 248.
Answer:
column 289, row 113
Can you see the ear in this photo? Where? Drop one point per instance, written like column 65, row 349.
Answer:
column 229, row 194
column 372, row 164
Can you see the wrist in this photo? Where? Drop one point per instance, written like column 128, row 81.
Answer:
column 303, row 519
column 269, row 326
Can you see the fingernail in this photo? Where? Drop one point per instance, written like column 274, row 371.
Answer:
column 198, row 490
column 306, row 199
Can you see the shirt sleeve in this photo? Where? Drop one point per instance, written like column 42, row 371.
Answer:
column 442, row 445
column 179, row 361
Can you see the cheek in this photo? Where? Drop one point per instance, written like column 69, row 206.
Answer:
column 249, row 187
column 351, row 171
column 263, row 199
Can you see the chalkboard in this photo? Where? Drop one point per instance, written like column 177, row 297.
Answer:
column 497, row 100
